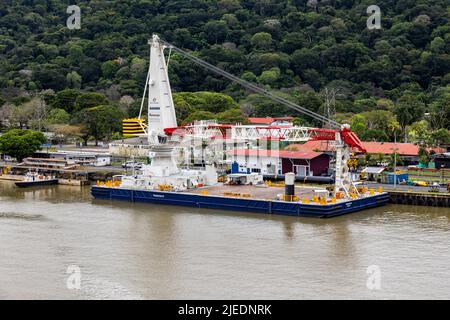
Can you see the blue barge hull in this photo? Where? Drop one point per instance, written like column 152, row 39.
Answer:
column 240, row 204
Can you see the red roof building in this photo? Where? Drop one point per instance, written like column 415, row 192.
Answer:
column 387, row 148
column 403, row 149
column 271, row 121
column 321, row 146
column 266, row 121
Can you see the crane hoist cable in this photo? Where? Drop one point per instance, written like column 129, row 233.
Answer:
column 252, row 87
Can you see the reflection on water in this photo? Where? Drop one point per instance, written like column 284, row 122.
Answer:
column 13, row 215
column 143, row 251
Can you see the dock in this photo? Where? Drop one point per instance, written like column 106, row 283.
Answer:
column 415, row 198
column 68, row 173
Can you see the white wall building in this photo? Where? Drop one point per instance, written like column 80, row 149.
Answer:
column 266, row 162
column 81, row 158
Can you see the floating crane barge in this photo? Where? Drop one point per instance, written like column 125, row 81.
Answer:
column 162, row 182
column 199, row 199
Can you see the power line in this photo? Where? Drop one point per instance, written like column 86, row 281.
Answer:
column 253, row 87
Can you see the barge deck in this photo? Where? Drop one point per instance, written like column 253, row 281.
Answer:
column 210, row 197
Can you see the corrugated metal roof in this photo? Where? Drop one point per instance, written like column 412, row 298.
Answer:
column 261, row 120
column 376, row 170
column 313, row 145
column 403, row 149
column 442, row 155
column 268, row 120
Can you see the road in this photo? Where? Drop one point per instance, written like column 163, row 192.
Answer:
column 403, row 187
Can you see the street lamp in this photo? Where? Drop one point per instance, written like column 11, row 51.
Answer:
column 395, row 149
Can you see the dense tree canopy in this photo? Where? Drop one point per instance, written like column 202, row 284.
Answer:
column 21, row 143
column 296, row 49
column 100, row 121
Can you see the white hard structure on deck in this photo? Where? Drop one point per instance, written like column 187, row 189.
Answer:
column 163, row 171
column 161, row 110
column 162, row 120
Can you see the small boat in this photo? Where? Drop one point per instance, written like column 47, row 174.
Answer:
column 35, row 179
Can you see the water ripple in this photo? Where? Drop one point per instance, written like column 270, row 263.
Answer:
column 21, row 216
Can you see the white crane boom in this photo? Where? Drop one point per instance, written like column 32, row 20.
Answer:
column 161, row 110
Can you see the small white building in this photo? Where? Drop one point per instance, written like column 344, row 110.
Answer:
column 266, row 162
column 134, row 147
column 82, row 158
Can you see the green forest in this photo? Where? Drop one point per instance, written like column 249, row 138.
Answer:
column 393, row 81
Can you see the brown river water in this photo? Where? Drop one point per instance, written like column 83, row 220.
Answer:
column 121, row 250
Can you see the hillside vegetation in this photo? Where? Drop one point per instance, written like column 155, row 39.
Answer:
column 392, row 81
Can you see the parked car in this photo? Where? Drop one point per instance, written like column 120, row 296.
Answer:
column 420, row 183
column 434, row 187
column 132, row 164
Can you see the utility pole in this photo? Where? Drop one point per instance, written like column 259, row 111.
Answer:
column 395, row 160
column 330, row 104
column 40, row 111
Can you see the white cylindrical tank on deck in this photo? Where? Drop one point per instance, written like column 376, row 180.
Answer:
column 289, row 180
